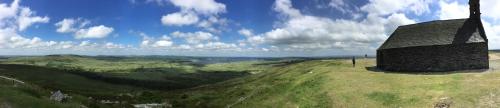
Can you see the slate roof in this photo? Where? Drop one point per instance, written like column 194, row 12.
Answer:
column 440, row 32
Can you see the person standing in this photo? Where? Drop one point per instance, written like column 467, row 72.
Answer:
column 353, row 61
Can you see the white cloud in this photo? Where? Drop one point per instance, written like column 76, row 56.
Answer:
column 110, row 45
column 217, row 46
column 489, row 8
column 26, row 19
column 77, row 26
column 246, row 32
column 164, row 41
column 386, row 7
column 207, row 7
column 100, row 31
column 343, row 6
column 306, row 32
column 150, row 42
column 84, row 43
column 194, row 11
column 194, row 42
column 285, row 7
column 179, row 18
column 22, row 16
column 452, row 10
column 9, row 11
column 214, row 24
column 195, row 37
column 66, row 25
column 14, row 18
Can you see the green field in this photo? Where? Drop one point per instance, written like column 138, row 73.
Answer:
column 313, row 83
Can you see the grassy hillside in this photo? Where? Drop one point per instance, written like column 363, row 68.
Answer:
column 145, row 84
column 101, row 64
column 283, row 83
column 17, row 95
column 156, row 72
column 334, row 83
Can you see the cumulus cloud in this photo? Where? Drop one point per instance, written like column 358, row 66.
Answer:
column 246, row 32
column 386, row 7
column 100, row 31
column 26, row 19
column 150, row 42
column 285, row 7
column 22, row 16
column 452, row 10
column 307, row 32
column 66, row 26
column 195, row 37
column 217, row 46
column 9, row 11
column 78, row 27
column 214, row 24
column 14, row 18
column 345, row 7
column 163, row 43
column 202, row 13
column 179, row 18
column 194, row 42
column 207, row 7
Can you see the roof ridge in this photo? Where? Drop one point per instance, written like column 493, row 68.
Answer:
column 433, row 21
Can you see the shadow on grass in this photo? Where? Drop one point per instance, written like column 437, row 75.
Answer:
column 375, row 69
column 172, row 78
column 283, row 63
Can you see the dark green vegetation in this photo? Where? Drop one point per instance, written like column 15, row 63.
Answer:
column 25, row 96
column 129, row 80
column 246, row 82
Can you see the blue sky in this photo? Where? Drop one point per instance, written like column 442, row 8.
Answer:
column 218, row 27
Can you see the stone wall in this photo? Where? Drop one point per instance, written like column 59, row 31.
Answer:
column 434, row 58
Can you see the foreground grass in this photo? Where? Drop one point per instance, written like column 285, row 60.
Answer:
column 16, row 95
column 334, row 83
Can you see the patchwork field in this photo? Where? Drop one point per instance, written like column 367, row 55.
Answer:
column 283, row 82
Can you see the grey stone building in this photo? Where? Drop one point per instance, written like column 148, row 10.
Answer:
column 443, row 45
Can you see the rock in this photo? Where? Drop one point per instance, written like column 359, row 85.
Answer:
column 153, row 105
column 5, row 105
column 58, row 96
column 444, row 102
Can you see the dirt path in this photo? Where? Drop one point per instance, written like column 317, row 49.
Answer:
column 18, row 81
column 494, row 57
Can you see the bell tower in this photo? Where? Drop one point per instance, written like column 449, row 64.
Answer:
column 474, row 9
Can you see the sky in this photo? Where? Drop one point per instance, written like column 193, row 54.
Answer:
column 245, row 28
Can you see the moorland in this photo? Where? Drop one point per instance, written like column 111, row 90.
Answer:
column 178, row 81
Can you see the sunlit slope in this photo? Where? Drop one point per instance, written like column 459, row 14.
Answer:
column 100, row 64
column 335, row 83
